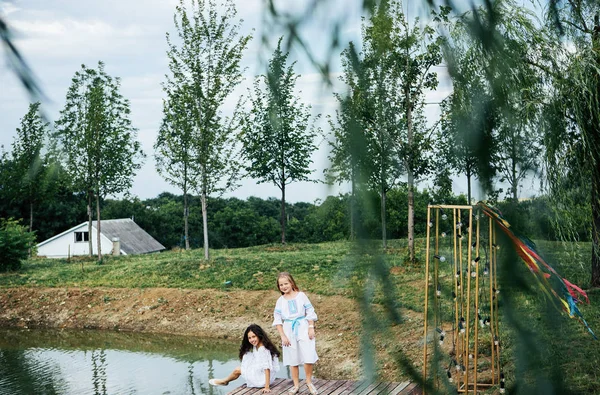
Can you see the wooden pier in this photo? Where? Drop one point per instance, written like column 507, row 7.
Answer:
column 335, row 387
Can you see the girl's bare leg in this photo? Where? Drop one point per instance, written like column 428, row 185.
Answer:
column 295, row 375
column 308, row 371
column 237, row 372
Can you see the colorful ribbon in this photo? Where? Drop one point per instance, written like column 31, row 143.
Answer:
column 568, row 294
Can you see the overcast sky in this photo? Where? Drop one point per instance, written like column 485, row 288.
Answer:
column 57, row 37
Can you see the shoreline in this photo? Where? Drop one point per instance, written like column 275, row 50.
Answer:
column 200, row 313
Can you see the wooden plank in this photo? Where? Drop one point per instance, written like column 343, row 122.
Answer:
column 382, row 388
column 357, row 388
column 330, row 386
column 280, row 386
column 318, row 383
column 279, row 382
column 246, row 391
column 345, row 384
column 365, row 389
column 303, row 388
column 243, row 390
column 335, row 387
column 237, row 390
column 392, row 387
column 285, row 386
column 399, row 388
column 412, row 389
column 351, row 387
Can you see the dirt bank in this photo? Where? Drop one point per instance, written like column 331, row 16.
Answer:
column 203, row 313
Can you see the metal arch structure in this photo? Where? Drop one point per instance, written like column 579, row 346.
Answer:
column 461, row 327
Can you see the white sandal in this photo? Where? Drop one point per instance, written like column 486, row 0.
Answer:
column 312, row 388
column 294, row 390
column 214, row 382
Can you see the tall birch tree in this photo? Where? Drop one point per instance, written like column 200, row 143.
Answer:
column 28, row 158
column 348, row 159
column 97, row 141
column 572, row 137
column 174, row 148
column 204, row 61
column 398, row 59
column 278, row 136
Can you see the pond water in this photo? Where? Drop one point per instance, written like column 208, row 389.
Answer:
column 101, row 362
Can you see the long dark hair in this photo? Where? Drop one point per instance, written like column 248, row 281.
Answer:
column 262, row 336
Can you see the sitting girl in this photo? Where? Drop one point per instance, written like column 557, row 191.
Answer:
column 260, row 361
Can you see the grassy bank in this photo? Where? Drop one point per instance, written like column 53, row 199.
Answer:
column 539, row 343
column 323, row 268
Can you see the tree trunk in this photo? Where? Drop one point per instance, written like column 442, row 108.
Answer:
column 411, row 177
column 98, row 246
column 282, row 213
column 595, row 137
column 205, row 224
column 185, row 218
column 90, row 218
column 468, row 184
column 383, row 221
column 514, row 181
column 352, row 209
column 595, row 280
column 411, row 217
column 31, row 216
column 30, row 225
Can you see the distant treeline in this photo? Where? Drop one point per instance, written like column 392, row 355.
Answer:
column 241, row 223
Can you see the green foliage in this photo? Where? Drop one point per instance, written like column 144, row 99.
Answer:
column 95, row 134
column 516, row 65
column 237, row 223
column 174, row 149
column 339, row 268
column 572, row 119
column 32, row 170
column 490, row 122
column 196, row 144
column 96, row 140
column 463, row 116
column 15, row 242
column 35, row 186
column 26, row 172
column 380, row 131
column 278, row 137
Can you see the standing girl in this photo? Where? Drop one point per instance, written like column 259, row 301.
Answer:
column 295, row 321
column 260, row 361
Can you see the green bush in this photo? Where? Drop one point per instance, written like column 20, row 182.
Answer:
column 15, row 242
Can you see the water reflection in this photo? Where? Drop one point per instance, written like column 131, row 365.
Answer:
column 97, row 362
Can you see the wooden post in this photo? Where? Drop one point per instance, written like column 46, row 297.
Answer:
column 456, row 293
column 476, row 342
column 491, row 299
column 426, row 299
column 468, row 306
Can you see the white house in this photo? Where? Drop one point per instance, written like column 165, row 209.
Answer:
column 117, row 237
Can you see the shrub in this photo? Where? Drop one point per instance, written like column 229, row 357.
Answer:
column 15, row 242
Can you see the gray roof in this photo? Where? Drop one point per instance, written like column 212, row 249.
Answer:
column 134, row 240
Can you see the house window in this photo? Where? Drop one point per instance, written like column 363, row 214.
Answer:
column 81, row 237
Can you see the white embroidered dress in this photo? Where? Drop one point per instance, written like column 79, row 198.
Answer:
column 254, row 364
column 293, row 315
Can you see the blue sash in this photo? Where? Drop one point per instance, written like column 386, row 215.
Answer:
column 295, row 324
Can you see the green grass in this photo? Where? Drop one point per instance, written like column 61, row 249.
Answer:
column 327, row 268
column 539, row 343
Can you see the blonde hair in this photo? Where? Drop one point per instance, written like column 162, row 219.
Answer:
column 289, row 278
